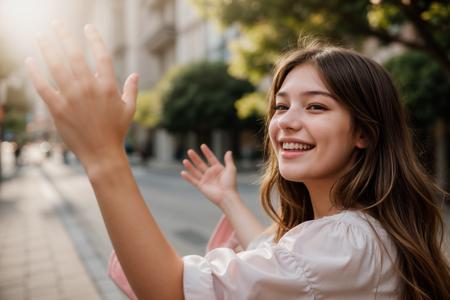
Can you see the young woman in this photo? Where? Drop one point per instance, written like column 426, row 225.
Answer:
column 355, row 217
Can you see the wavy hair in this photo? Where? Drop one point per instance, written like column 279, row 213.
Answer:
column 386, row 179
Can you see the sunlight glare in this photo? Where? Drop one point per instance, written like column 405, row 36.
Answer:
column 23, row 19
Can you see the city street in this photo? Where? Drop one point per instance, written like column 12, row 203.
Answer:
column 185, row 216
column 61, row 222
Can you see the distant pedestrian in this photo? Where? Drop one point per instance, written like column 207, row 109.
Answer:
column 355, row 216
column 18, row 154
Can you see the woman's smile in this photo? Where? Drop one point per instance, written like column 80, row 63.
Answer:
column 294, row 148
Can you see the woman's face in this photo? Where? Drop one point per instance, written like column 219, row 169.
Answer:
column 310, row 131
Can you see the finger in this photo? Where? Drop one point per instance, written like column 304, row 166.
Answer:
column 212, row 159
column 103, row 59
column 47, row 93
column 77, row 61
column 59, row 71
column 189, row 178
column 192, row 170
column 198, row 162
column 229, row 162
column 130, row 91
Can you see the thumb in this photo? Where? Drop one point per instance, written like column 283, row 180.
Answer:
column 229, row 162
column 130, row 91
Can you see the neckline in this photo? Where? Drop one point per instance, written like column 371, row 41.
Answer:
column 331, row 216
column 338, row 214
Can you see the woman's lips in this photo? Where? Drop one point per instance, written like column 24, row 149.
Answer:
column 291, row 153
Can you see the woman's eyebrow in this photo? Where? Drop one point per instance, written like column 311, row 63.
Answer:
column 307, row 93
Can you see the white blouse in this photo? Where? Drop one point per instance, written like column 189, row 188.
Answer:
column 344, row 256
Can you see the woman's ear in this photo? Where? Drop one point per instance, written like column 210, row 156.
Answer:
column 361, row 140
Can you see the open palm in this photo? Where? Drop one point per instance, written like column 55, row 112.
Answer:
column 213, row 179
column 87, row 108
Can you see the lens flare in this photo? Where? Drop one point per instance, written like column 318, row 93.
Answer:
column 21, row 20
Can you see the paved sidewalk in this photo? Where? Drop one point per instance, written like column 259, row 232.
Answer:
column 39, row 258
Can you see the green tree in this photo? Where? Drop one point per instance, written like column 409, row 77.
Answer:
column 15, row 104
column 148, row 109
column 202, row 97
column 251, row 105
column 149, row 102
column 16, row 109
column 251, row 109
column 424, row 86
column 426, row 92
column 271, row 26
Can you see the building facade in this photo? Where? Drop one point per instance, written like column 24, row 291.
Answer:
column 157, row 35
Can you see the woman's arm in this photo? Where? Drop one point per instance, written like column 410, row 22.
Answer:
column 218, row 183
column 244, row 222
column 93, row 119
column 151, row 265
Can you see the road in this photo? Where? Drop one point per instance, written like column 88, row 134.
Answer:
column 184, row 215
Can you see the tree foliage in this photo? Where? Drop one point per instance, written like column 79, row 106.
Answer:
column 149, row 102
column 271, row 26
column 16, row 108
column 251, row 109
column 423, row 84
column 251, row 105
column 15, row 105
column 148, row 109
column 201, row 97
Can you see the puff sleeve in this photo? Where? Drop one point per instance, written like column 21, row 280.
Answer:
column 321, row 259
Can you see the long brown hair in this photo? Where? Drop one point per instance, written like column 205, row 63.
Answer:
column 386, row 179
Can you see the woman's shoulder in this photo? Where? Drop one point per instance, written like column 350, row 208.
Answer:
column 350, row 244
column 352, row 229
column 345, row 219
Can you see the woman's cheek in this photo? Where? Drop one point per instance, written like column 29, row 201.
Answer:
column 273, row 132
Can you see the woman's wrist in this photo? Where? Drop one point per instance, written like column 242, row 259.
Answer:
column 230, row 202
column 108, row 163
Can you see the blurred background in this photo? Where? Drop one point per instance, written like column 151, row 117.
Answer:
column 205, row 67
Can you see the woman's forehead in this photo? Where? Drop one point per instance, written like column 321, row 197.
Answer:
column 302, row 79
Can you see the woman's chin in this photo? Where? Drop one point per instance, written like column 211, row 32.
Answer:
column 292, row 176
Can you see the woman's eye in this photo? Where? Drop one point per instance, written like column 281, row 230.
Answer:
column 280, row 107
column 316, row 107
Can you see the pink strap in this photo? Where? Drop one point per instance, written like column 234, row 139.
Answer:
column 115, row 271
column 222, row 236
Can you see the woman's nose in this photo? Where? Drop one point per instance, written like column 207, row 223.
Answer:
column 291, row 120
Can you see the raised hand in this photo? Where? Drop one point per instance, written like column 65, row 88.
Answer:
column 93, row 118
column 88, row 110
column 216, row 181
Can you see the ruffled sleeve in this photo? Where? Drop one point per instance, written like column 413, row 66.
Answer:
column 326, row 258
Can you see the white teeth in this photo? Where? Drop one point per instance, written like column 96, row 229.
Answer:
column 297, row 146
